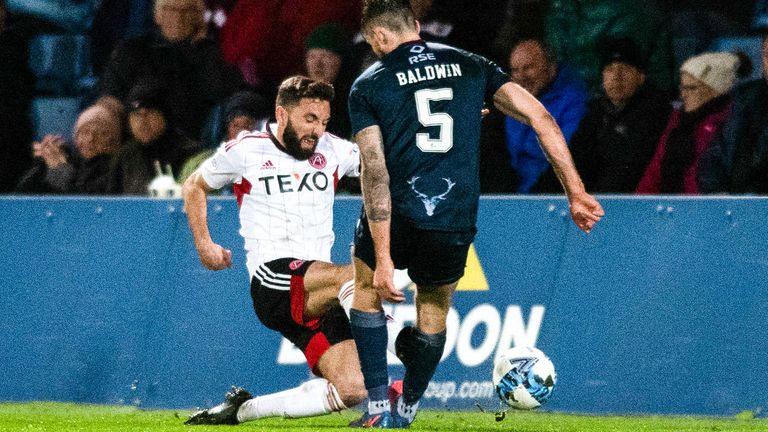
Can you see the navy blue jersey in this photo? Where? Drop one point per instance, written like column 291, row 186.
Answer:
column 427, row 98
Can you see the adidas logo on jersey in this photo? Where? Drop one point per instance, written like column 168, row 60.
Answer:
column 268, row 165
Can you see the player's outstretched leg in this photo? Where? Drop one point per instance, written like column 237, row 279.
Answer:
column 224, row 413
column 312, row 398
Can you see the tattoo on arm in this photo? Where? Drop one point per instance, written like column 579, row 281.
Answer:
column 374, row 177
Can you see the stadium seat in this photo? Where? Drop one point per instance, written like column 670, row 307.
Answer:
column 61, row 64
column 55, row 115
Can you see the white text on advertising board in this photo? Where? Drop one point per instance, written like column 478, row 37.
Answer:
column 499, row 333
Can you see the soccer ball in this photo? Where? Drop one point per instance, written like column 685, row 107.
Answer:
column 524, row 377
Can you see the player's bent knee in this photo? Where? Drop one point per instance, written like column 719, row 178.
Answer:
column 351, row 393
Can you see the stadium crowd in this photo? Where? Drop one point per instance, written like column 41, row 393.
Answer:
column 653, row 97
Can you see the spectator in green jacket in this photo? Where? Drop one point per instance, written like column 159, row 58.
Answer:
column 576, row 29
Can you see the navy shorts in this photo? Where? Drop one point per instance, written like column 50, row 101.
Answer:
column 277, row 291
column 431, row 257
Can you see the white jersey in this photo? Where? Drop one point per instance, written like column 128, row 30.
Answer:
column 286, row 205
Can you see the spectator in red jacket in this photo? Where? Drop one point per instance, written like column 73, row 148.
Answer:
column 705, row 81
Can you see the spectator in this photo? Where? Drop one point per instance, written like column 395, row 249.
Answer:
column 266, row 38
column 16, row 90
column 737, row 162
column 324, row 58
column 116, row 20
column 534, row 67
column 181, row 56
column 59, row 170
column 618, row 135
column 153, row 138
column 705, row 81
column 243, row 111
column 576, row 28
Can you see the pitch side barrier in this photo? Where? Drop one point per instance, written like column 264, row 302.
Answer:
column 662, row 309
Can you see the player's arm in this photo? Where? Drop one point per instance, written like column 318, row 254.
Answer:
column 195, row 193
column 514, row 101
column 374, row 181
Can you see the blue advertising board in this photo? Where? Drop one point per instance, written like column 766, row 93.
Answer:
column 661, row 309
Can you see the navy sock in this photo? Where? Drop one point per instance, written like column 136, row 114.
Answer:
column 420, row 353
column 370, row 332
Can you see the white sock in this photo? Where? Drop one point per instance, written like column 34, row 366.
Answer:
column 407, row 411
column 313, row 398
column 378, row 407
column 346, row 295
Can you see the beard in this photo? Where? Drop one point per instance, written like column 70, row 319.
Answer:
column 293, row 143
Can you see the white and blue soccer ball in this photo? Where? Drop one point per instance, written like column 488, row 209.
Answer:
column 524, row 377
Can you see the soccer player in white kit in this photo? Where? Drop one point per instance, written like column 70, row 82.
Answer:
column 285, row 179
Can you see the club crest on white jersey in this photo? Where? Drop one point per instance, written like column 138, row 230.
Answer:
column 286, row 205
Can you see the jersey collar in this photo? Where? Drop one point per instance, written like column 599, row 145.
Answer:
column 270, row 127
column 402, row 50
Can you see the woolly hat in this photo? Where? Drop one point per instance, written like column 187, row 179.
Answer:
column 715, row 69
column 623, row 50
column 331, row 37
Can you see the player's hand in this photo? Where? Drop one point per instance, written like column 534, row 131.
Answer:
column 383, row 281
column 585, row 211
column 214, row 257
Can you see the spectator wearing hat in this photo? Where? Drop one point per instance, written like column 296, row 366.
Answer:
column 617, row 137
column 60, row 169
column 154, row 139
column 705, row 81
column 324, row 57
column 534, row 67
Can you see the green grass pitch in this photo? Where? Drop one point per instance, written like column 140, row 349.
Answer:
column 50, row 416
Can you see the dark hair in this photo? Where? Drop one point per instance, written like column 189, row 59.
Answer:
column 546, row 47
column 395, row 15
column 298, row 87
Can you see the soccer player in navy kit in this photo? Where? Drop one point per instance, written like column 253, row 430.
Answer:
column 416, row 117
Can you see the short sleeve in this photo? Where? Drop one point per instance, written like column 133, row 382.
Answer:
column 361, row 113
column 225, row 166
column 349, row 159
column 495, row 77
